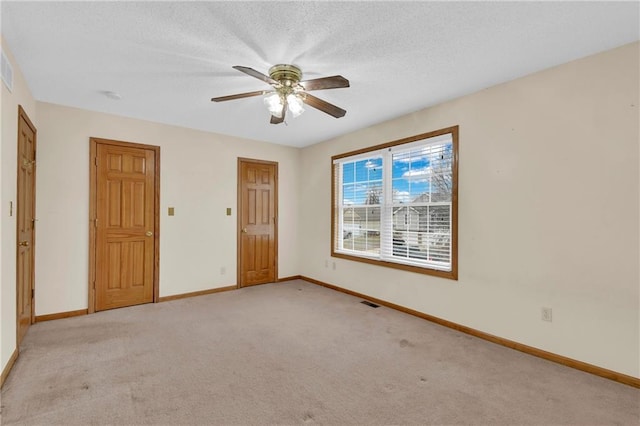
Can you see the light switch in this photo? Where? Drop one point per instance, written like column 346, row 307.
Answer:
column 171, row 211
column 228, row 211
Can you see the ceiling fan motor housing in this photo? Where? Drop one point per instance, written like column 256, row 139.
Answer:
column 285, row 74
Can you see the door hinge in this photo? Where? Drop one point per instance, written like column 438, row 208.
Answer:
column 95, row 160
column 33, row 293
column 96, row 222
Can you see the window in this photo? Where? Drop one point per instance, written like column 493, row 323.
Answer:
column 396, row 204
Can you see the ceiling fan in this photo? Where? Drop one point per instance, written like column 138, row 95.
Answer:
column 289, row 92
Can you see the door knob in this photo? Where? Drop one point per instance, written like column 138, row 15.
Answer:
column 24, row 243
column 148, row 233
column 244, row 230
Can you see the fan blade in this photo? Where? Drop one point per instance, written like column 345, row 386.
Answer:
column 276, row 120
column 256, row 74
column 238, row 96
column 324, row 106
column 334, row 82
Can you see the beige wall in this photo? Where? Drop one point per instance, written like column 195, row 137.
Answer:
column 198, row 178
column 8, row 184
column 548, row 212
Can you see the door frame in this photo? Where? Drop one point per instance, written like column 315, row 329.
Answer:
column 22, row 114
column 241, row 160
column 93, row 182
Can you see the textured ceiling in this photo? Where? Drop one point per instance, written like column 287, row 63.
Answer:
column 167, row 59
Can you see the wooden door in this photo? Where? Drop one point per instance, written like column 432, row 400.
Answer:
column 125, row 225
column 25, row 223
column 257, row 222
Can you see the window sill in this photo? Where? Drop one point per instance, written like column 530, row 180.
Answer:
column 452, row 275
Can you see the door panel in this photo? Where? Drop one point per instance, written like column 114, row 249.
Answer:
column 25, row 219
column 125, row 213
column 257, row 221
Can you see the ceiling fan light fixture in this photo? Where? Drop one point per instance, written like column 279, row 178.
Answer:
column 273, row 101
column 295, row 105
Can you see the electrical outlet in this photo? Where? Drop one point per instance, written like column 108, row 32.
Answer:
column 547, row 314
column 223, row 270
column 326, row 263
column 334, row 266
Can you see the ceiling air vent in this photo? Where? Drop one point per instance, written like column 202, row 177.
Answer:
column 7, row 72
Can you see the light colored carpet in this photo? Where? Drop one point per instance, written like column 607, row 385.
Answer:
column 290, row 353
